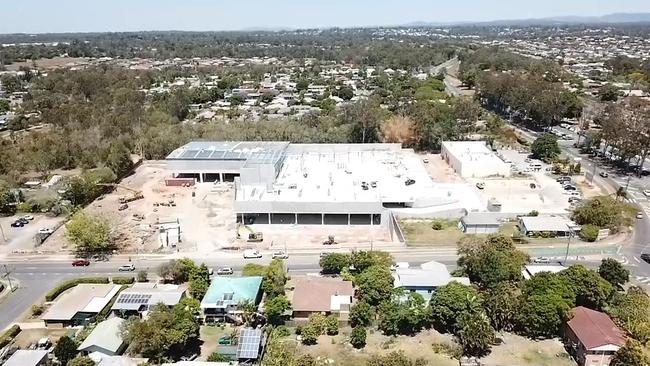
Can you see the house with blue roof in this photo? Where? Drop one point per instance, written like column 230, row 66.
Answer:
column 224, row 295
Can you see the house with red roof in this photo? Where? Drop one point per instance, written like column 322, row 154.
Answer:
column 592, row 337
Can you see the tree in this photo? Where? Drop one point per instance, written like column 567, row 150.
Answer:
column 345, row 93
column 406, row 313
column 65, row 350
column 142, row 276
column 449, row 303
column 88, row 233
column 475, row 334
column 604, row 212
column 334, row 263
column 358, row 337
column 398, row 129
column 608, row 93
column 332, row 325
column 361, row 314
column 545, row 303
column 375, row 284
column 275, row 307
column 81, row 361
column 275, row 278
column 4, row 106
column 361, row 260
column 631, row 311
column 545, row 147
column 501, row 306
column 119, row 159
column 613, row 272
column 590, row 289
column 364, row 117
column 589, row 233
column 164, row 333
column 199, row 279
column 491, row 262
column 631, row 354
column 309, row 334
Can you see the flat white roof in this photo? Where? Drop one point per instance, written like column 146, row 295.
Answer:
column 472, row 151
column 532, row 270
column 338, row 176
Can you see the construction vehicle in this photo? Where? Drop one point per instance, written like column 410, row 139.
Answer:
column 252, row 235
column 330, row 240
column 136, row 195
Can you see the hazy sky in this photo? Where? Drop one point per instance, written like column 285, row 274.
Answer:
column 39, row 16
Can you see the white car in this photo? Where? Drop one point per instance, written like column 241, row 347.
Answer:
column 280, row 255
column 225, row 271
column 126, row 268
column 45, row 231
column 646, row 192
column 542, row 260
column 251, row 253
column 28, row 217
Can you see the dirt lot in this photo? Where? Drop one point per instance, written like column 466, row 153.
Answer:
column 29, row 336
column 207, row 220
column 47, row 63
column 439, row 170
column 420, row 233
column 341, row 353
column 514, row 350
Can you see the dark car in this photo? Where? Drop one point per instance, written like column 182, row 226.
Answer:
column 80, row 263
column 645, row 257
column 23, row 220
column 569, row 187
column 17, row 223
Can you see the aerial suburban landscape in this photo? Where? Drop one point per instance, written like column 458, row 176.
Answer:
column 307, row 183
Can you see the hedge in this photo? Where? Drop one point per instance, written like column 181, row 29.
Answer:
column 589, row 233
column 10, row 334
column 123, row 280
column 58, row 290
column 107, row 309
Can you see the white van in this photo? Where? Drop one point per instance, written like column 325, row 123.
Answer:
column 252, row 253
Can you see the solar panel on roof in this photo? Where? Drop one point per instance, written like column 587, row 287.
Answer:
column 249, row 343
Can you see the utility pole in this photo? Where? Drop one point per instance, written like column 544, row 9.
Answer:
column 568, row 243
column 2, row 231
column 11, row 287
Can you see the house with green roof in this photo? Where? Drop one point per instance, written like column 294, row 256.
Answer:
column 226, row 293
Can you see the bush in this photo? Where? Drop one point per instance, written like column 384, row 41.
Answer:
column 10, row 334
column 282, row 331
column 309, row 334
column 218, row 357
column 107, row 309
column 437, row 225
column 123, row 280
column 533, row 213
column 447, row 349
column 143, row 276
column 58, row 290
column 332, row 325
column 589, row 233
column 358, row 337
column 37, row 309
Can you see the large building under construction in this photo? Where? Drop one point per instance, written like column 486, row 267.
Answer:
column 313, row 184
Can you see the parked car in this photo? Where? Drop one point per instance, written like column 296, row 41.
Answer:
column 45, row 231
column 604, row 174
column 645, row 257
column 575, row 199
column 570, row 187
column 252, row 253
column 23, row 220
column 126, row 268
column 639, row 215
column 646, row 192
column 480, row 185
column 17, row 223
column 28, row 217
column 542, row 260
column 409, row 182
column 280, row 255
column 425, row 160
column 225, row 271
column 563, row 179
column 81, row 263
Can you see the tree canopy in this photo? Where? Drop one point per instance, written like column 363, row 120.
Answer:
column 88, row 233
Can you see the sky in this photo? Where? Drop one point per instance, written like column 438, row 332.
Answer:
column 44, row 16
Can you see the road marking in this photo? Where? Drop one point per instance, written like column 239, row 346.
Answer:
column 637, row 259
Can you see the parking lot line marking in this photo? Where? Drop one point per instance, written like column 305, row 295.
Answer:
column 637, row 259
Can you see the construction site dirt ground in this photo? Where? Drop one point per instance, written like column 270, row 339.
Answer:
column 207, row 220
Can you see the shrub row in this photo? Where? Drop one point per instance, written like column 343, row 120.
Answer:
column 123, row 280
column 58, row 290
column 10, row 334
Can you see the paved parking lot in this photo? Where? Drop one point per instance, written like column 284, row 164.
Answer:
column 22, row 238
column 516, row 194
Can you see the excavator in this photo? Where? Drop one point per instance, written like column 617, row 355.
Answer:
column 136, row 195
column 252, row 236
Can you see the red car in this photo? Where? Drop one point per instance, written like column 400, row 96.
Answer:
column 80, row 263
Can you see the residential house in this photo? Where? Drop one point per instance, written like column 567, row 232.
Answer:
column 426, row 279
column 479, row 223
column 224, row 295
column 321, row 295
column 79, row 305
column 105, row 338
column 143, row 297
column 27, row 358
column 558, row 226
column 592, row 337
